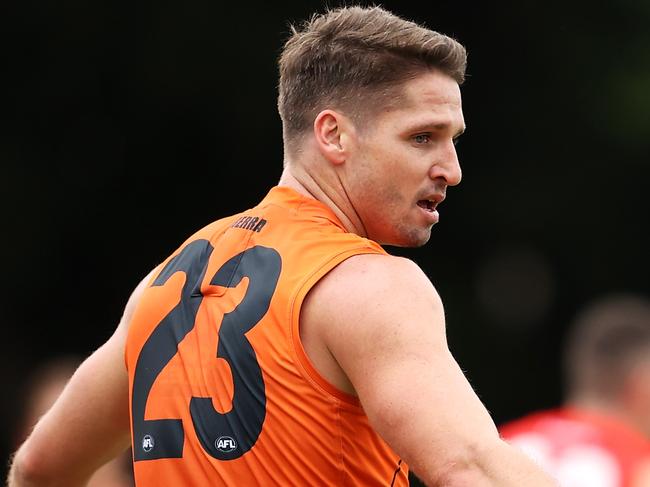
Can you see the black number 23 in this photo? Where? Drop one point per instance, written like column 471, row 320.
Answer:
column 224, row 436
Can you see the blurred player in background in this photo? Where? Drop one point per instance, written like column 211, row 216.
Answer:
column 283, row 345
column 601, row 436
column 40, row 392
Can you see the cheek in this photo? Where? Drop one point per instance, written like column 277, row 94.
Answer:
column 379, row 180
column 382, row 177
column 388, row 163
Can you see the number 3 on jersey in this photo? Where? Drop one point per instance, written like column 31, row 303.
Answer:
column 224, row 436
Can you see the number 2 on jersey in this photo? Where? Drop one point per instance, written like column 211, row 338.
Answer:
column 239, row 428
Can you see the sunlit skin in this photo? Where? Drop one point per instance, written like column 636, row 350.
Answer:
column 402, row 157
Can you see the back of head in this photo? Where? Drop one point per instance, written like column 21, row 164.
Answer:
column 607, row 341
column 354, row 59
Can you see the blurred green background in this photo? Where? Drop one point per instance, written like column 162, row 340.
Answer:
column 128, row 125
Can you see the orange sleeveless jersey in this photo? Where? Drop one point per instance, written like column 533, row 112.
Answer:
column 221, row 390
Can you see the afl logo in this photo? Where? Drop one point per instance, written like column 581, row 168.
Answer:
column 225, row 444
column 147, row 443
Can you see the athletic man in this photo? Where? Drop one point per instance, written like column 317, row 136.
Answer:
column 282, row 345
column 601, row 436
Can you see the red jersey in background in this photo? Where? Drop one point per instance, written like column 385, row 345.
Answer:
column 580, row 448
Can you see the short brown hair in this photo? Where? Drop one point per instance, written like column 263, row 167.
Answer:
column 608, row 338
column 353, row 58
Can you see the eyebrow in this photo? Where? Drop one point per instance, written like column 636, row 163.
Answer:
column 436, row 126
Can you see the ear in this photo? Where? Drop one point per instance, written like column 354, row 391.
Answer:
column 332, row 132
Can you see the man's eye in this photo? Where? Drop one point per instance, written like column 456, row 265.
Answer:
column 421, row 138
column 456, row 140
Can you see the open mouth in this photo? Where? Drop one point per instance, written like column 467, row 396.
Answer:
column 427, row 205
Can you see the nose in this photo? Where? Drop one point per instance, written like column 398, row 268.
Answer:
column 447, row 167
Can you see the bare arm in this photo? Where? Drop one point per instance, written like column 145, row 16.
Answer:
column 87, row 425
column 383, row 322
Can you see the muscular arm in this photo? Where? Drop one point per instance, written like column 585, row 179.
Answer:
column 383, row 322
column 87, row 425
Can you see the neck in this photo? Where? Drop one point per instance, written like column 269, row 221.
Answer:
column 334, row 196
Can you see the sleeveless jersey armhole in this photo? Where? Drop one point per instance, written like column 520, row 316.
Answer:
column 305, row 365
column 153, row 274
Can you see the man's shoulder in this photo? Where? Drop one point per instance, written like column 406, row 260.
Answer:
column 363, row 266
column 366, row 288
column 368, row 273
column 370, row 306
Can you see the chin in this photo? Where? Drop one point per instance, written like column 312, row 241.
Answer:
column 409, row 239
column 417, row 242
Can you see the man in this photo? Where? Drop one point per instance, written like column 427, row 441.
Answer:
column 601, row 436
column 283, row 346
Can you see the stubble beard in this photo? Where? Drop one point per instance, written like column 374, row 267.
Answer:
column 403, row 231
column 414, row 237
